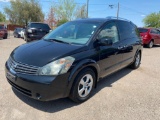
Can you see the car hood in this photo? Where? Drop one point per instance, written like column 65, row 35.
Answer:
column 40, row 53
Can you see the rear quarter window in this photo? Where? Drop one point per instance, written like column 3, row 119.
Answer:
column 127, row 30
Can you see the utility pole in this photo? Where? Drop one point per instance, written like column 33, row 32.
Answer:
column 112, row 6
column 118, row 11
column 87, row 7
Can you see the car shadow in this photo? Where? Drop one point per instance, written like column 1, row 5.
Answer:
column 64, row 103
column 155, row 46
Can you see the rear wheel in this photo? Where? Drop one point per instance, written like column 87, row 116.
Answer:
column 5, row 36
column 83, row 86
column 150, row 44
column 136, row 62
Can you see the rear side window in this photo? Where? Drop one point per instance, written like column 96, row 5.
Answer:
column 39, row 26
column 142, row 30
column 127, row 30
column 154, row 31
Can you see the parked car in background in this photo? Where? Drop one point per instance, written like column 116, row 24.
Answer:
column 3, row 32
column 35, row 31
column 69, row 61
column 150, row 36
column 22, row 33
column 17, row 32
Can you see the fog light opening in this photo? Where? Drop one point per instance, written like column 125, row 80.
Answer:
column 38, row 96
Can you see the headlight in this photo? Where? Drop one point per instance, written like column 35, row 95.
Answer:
column 57, row 67
column 29, row 30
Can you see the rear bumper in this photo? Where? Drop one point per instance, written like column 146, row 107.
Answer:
column 146, row 41
column 3, row 35
column 43, row 88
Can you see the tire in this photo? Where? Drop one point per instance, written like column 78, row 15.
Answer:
column 83, row 86
column 137, row 61
column 150, row 44
column 5, row 36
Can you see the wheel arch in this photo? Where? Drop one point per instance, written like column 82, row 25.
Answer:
column 80, row 67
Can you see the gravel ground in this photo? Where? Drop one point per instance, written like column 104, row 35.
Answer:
column 125, row 95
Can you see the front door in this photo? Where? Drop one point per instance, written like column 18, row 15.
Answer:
column 110, row 56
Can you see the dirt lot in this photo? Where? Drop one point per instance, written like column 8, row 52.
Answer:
column 125, row 95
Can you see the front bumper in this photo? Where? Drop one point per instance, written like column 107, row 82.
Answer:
column 42, row 88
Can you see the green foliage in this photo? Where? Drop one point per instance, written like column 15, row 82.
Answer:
column 65, row 9
column 60, row 22
column 2, row 17
column 152, row 20
column 81, row 12
column 23, row 11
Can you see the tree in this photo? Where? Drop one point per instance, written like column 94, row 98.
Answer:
column 65, row 9
column 81, row 12
column 50, row 20
column 62, row 21
column 23, row 11
column 152, row 20
column 2, row 17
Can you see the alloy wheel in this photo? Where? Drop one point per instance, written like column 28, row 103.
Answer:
column 151, row 44
column 85, row 85
column 137, row 59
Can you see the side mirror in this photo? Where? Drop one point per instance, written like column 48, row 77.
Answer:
column 105, row 42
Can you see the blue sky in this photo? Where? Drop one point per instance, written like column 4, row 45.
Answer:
column 134, row 10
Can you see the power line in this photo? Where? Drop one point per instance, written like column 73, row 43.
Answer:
column 131, row 9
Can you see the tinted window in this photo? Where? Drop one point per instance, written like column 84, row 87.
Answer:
column 19, row 29
column 109, row 32
column 154, row 31
column 142, row 30
column 39, row 26
column 74, row 32
column 127, row 30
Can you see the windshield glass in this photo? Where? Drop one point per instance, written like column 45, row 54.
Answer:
column 74, row 32
column 39, row 26
column 19, row 29
column 1, row 27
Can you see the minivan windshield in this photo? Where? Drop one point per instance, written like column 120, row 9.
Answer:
column 73, row 32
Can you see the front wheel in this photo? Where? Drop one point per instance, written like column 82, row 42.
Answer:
column 83, row 85
column 137, row 61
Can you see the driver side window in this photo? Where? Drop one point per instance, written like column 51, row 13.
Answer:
column 109, row 32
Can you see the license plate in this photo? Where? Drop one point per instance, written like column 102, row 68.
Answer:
column 11, row 76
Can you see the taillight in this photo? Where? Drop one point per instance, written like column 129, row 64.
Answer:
column 145, row 36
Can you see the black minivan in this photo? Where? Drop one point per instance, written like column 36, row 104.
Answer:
column 69, row 61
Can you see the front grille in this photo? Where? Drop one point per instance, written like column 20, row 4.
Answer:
column 20, row 89
column 22, row 68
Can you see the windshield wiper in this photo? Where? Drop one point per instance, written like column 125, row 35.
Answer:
column 59, row 41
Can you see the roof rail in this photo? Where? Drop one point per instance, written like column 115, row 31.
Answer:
column 113, row 17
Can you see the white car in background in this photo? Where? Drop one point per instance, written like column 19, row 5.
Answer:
column 22, row 33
